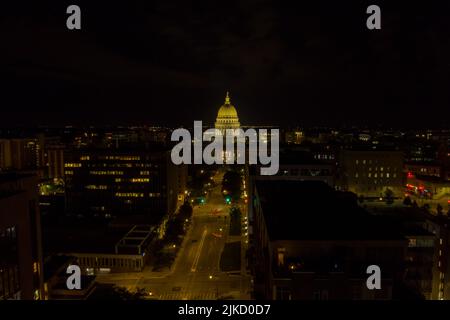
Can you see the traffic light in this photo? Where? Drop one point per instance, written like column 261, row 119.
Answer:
column 228, row 199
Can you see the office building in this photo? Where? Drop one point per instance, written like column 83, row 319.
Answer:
column 311, row 242
column 21, row 272
column 371, row 173
column 120, row 182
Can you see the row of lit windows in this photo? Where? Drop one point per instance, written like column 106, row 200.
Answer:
column 375, row 175
column 133, row 180
column 85, row 158
column 154, row 195
column 95, row 187
column 441, row 274
column 427, row 170
column 110, row 165
column 106, row 173
column 116, row 173
column 381, row 182
column 72, row 165
column 129, row 195
column 324, row 156
column 110, row 262
column 357, row 161
column 123, row 158
column 136, row 195
column 140, row 180
column 381, row 169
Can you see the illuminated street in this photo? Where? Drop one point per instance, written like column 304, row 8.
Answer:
column 195, row 274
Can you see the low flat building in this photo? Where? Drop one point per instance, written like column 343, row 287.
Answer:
column 55, row 280
column 102, row 249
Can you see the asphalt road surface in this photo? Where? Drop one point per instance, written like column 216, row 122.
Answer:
column 195, row 273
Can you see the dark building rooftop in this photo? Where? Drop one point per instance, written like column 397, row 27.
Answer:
column 311, row 210
column 55, row 264
column 81, row 238
column 88, row 236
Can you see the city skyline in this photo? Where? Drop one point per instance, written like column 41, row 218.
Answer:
column 245, row 151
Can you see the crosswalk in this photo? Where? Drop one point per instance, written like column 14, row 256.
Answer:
column 188, row 296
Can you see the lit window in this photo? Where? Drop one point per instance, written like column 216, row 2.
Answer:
column 281, row 252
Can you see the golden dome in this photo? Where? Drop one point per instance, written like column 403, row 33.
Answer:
column 227, row 110
column 227, row 117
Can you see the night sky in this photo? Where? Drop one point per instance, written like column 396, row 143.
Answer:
column 170, row 63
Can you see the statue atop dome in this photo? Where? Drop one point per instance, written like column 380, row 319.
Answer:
column 227, row 98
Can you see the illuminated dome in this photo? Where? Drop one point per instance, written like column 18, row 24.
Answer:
column 227, row 117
